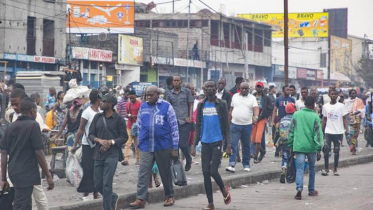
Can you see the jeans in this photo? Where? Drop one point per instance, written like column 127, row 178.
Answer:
column 335, row 138
column 285, row 158
column 163, row 160
column 184, row 134
column 104, row 174
column 299, row 163
column 242, row 132
column 211, row 158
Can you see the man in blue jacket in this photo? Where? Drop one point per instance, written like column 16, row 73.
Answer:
column 158, row 139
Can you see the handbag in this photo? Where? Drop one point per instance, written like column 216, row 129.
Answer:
column 134, row 124
column 291, row 172
column 121, row 155
column 178, row 173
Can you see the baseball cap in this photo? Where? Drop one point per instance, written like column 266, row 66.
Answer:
column 109, row 97
column 259, row 83
column 290, row 108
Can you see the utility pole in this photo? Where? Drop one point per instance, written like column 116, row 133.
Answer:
column 173, row 6
column 69, row 49
column 286, row 42
column 187, row 45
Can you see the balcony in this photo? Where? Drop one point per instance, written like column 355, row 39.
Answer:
column 215, row 42
column 31, row 42
column 258, row 48
column 203, row 55
column 48, row 47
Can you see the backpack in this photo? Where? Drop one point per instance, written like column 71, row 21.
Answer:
column 284, row 129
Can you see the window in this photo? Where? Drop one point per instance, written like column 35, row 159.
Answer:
column 94, row 64
column 258, row 34
column 31, row 40
column 48, row 37
column 323, row 60
column 85, row 64
column 267, row 38
column 143, row 77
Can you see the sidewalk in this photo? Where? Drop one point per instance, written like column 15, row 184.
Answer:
column 64, row 196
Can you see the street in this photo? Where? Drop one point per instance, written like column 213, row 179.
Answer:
column 353, row 189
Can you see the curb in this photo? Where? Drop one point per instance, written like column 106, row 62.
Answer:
column 234, row 181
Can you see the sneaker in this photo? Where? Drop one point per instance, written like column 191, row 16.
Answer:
column 169, row 202
column 138, row 204
column 230, row 169
column 298, row 196
column 114, row 201
column 125, row 163
column 247, row 169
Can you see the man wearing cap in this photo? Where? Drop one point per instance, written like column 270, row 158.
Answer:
column 265, row 110
column 108, row 131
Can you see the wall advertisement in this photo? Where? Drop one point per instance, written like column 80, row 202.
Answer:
column 300, row 24
column 130, row 50
column 340, row 55
column 98, row 16
column 92, row 54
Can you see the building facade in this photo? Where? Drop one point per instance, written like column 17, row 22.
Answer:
column 32, row 35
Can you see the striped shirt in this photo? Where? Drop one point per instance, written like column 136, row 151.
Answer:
column 121, row 107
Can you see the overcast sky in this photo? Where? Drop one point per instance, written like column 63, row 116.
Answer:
column 359, row 11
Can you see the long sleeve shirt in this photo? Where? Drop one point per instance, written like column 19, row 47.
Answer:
column 157, row 127
column 116, row 131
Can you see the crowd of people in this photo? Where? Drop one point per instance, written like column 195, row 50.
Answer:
column 109, row 126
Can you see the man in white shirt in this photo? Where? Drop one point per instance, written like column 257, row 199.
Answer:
column 334, row 124
column 300, row 103
column 243, row 107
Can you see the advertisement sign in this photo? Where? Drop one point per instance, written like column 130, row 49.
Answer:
column 162, row 60
column 301, row 73
column 311, row 74
column 92, row 54
column 98, row 16
column 130, row 50
column 340, row 55
column 319, row 74
column 189, row 63
column 29, row 58
column 300, row 24
column 139, row 87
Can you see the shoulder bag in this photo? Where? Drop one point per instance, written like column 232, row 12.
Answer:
column 121, row 155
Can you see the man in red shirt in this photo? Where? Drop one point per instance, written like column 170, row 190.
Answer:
column 132, row 109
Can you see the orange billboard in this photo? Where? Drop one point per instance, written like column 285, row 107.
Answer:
column 100, row 16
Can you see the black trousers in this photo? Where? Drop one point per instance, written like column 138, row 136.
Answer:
column 184, row 134
column 22, row 198
column 211, row 158
column 87, row 184
column 335, row 138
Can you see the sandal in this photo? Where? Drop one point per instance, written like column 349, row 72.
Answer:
column 228, row 199
column 314, row 193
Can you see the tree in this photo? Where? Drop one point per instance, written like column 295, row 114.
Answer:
column 364, row 68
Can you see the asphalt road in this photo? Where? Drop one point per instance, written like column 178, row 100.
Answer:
column 353, row 189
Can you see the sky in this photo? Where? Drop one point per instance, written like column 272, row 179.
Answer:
column 359, row 11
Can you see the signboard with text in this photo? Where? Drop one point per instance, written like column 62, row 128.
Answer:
column 300, row 24
column 29, row 58
column 92, row 54
column 301, row 73
column 100, row 16
column 130, row 50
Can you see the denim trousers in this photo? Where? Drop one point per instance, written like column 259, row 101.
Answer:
column 103, row 175
column 242, row 132
column 335, row 138
column 300, row 165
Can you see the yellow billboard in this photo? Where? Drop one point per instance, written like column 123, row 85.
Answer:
column 130, row 50
column 340, row 55
column 300, row 24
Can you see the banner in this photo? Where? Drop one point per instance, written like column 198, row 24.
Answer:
column 300, row 24
column 340, row 55
column 130, row 50
column 92, row 54
column 98, row 16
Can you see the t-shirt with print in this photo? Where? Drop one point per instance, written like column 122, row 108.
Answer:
column 243, row 109
column 334, row 114
column 88, row 115
column 281, row 103
column 134, row 111
column 211, row 130
column 259, row 102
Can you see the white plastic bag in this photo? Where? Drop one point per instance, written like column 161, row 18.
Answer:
column 75, row 92
column 74, row 172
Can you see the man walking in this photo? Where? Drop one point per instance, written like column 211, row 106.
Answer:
column 108, row 131
column 222, row 93
column 334, row 125
column 265, row 110
column 300, row 103
column 23, row 143
column 158, row 141
column 305, row 140
column 133, row 108
column 182, row 100
column 243, row 113
column 279, row 111
column 212, row 129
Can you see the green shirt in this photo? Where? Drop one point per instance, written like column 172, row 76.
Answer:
column 305, row 132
